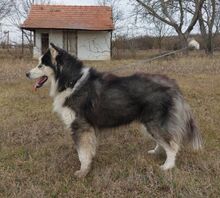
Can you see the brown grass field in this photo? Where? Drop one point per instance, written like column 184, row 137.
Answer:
column 37, row 155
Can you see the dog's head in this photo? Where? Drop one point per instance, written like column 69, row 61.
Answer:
column 58, row 64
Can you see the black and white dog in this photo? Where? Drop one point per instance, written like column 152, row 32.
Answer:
column 87, row 100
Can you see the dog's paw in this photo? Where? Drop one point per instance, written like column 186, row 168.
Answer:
column 80, row 174
column 151, row 151
column 165, row 167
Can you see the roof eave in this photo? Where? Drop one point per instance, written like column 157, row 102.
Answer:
column 41, row 28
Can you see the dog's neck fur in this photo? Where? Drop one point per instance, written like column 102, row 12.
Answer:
column 53, row 87
column 79, row 83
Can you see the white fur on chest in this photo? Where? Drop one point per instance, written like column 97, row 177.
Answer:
column 67, row 114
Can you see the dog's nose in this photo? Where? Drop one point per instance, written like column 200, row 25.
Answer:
column 28, row 74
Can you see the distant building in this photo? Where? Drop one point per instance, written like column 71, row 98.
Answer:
column 84, row 31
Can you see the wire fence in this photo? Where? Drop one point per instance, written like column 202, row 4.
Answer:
column 147, row 60
column 16, row 51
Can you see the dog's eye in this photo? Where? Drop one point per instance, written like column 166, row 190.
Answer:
column 39, row 66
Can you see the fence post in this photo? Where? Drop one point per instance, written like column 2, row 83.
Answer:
column 22, row 45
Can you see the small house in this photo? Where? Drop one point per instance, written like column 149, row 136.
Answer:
column 83, row 31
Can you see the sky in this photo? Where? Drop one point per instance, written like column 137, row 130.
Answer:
column 127, row 25
column 15, row 34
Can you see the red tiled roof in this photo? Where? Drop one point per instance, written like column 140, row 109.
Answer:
column 69, row 17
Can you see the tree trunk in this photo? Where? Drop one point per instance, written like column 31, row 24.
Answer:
column 209, row 44
column 159, row 43
column 208, row 40
column 183, row 42
column 206, row 27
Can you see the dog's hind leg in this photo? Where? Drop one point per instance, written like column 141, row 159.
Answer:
column 155, row 150
column 145, row 132
column 86, row 147
column 171, row 151
column 165, row 141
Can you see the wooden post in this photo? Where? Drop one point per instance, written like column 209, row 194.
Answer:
column 76, row 43
column 31, row 37
column 22, row 45
column 31, row 44
column 111, row 46
column 8, row 40
column 67, row 39
column 34, row 34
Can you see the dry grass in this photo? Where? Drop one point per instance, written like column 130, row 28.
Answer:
column 37, row 158
column 15, row 52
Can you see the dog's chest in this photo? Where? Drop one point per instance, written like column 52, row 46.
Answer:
column 66, row 114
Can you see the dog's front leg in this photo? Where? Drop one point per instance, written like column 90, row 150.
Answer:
column 85, row 140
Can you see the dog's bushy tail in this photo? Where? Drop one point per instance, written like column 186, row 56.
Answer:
column 194, row 134
column 183, row 126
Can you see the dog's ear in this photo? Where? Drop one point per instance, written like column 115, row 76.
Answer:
column 55, row 47
column 54, row 50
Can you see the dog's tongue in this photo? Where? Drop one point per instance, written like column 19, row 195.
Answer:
column 40, row 82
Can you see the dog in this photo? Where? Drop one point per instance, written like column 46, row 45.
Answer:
column 87, row 101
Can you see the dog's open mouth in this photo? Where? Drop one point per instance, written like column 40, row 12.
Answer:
column 40, row 81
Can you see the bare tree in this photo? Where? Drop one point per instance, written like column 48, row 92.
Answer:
column 5, row 8
column 116, row 13
column 160, row 30
column 217, row 17
column 209, row 22
column 20, row 13
column 173, row 13
column 22, row 8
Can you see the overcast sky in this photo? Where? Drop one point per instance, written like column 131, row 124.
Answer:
column 127, row 26
column 15, row 34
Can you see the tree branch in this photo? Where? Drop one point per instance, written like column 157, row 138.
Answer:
column 152, row 12
column 199, row 4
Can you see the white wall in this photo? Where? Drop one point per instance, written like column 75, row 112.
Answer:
column 94, row 45
column 91, row 45
column 37, row 47
column 55, row 36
